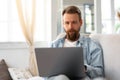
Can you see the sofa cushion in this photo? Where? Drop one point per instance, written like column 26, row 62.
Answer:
column 4, row 74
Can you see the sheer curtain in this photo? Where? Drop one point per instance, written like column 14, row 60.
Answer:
column 26, row 12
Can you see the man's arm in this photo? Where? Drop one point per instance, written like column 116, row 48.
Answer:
column 95, row 68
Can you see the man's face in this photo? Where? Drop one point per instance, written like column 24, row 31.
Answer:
column 72, row 25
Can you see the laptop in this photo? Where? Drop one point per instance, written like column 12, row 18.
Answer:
column 55, row 61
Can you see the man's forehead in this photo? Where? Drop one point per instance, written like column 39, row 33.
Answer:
column 70, row 18
column 70, row 15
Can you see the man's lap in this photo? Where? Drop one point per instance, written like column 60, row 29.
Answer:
column 62, row 77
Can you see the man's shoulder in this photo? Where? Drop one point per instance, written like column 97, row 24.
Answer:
column 89, row 40
column 57, row 42
column 85, row 39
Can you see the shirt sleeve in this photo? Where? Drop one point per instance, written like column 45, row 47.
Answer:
column 95, row 68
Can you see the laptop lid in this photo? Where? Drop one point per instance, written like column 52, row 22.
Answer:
column 56, row 61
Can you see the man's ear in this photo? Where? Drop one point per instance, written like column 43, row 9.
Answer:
column 81, row 22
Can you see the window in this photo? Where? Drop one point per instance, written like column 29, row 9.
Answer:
column 106, row 17
column 10, row 28
column 110, row 21
column 89, row 18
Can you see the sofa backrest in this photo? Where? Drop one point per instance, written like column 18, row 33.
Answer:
column 15, row 58
column 111, row 50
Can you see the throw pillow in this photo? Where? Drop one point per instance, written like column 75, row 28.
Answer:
column 4, row 74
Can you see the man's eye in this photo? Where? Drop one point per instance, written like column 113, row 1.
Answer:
column 74, row 22
column 66, row 22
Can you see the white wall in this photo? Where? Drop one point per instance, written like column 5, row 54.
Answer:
column 97, row 17
column 54, row 6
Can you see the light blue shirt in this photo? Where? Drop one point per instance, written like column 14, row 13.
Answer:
column 93, row 56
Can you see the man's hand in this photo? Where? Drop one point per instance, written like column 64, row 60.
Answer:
column 85, row 68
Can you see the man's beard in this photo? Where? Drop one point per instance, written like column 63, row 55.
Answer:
column 72, row 35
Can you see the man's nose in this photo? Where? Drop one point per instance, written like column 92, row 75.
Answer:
column 70, row 25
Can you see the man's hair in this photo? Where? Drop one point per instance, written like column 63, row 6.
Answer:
column 118, row 13
column 72, row 10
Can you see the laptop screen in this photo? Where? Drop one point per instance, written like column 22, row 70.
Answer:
column 56, row 61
